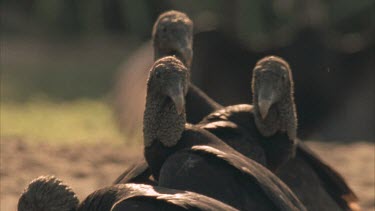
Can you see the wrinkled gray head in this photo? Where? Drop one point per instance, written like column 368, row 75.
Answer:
column 272, row 81
column 272, row 87
column 47, row 193
column 172, row 34
column 164, row 116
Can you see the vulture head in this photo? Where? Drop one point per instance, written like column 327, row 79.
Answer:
column 47, row 193
column 172, row 34
column 167, row 86
column 272, row 87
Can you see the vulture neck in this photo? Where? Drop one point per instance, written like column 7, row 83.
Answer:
column 281, row 117
column 161, row 122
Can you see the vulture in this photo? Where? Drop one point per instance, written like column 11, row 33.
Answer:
column 172, row 35
column 47, row 193
column 182, row 156
column 272, row 119
column 270, row 124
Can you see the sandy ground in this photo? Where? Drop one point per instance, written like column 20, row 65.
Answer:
column 95, row 166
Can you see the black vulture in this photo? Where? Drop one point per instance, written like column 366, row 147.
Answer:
column 270, row 125
column 47, row 193
column 186, row 157
column 273, row 113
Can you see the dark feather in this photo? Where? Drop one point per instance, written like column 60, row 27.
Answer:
column 138, row 196
column 333, row 182
column 303, row 174
column 136, row 173
column 276, row 190
column 237, row 121
column 256, row 177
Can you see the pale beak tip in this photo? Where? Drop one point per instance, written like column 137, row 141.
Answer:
column 263, row 108
column 179, row 102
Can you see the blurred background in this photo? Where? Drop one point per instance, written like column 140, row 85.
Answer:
column 69, row 67
column 68, row 54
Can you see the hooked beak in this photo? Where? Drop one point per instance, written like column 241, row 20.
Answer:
column 178, row 98
column 264, row 106
column 265, row 101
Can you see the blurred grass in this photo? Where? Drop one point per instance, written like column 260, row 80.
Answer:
column 81, row 121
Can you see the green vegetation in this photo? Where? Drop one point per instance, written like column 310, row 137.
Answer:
column 83, row 121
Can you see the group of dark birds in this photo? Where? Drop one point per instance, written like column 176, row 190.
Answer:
column 199, row 155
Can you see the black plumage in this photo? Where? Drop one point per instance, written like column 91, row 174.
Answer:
column 187, row 157
column 138, row 172
column 316, row 184
column 235, row 126
column 139, row 197
column 47, row 193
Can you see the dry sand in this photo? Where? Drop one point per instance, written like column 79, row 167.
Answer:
column 89, row 168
